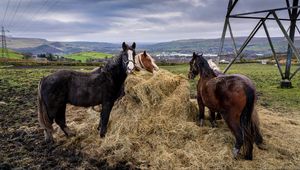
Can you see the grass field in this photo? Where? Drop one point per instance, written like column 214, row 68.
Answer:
column 13, row 54
column 83, row 56
column 23, row 147
column 267, row 80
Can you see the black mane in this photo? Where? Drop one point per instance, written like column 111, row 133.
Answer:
column 203, row 66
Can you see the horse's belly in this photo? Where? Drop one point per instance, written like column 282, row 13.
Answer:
column 211, row 102
column 85, row 99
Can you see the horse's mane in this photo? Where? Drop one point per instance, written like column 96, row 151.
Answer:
column 213, row 65
column 112, row 63
column 215, row 68
column 206, row 69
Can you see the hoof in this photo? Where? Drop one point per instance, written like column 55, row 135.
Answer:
column 49, row 141
column 235, row 152
column 214, row 124
column 262, row 146
column 48, row 137
column 218, row 117
column 248, row 157
column 68, row 132
column 201, row 122
column 102, row 135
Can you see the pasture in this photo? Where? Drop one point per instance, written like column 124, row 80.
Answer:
column 22, row 144
column 83, row 56
column 13, row 54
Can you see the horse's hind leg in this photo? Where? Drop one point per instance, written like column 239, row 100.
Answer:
column 234, row 126
column 218, row 117
column 60, row 119
column 201, row 110
column 213, row 119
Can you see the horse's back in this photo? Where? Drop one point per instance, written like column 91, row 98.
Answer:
column 68, row 86
column 224, row 91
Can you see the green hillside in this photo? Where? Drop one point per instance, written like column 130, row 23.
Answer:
column 83, row 56
column 12, row 54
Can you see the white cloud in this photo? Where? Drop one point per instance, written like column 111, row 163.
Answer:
column 63, row 18
column 165, row 15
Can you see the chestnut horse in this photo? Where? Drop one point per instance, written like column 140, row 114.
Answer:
column 146, row 62
column 83, row 89
column 234, row 97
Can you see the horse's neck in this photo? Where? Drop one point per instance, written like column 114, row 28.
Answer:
column 117, row 73
column 207, row 74
column 138, row 62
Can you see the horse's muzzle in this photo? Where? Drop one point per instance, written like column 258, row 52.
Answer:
column 191, row 76
column 129, row 71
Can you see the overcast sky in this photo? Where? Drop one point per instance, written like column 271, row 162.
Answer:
column 127, row 20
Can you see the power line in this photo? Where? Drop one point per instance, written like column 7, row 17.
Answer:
column 46, row 12
column 28, row 5
column 34, row 15
column 14, row 14
column 7, row 5
column 51, row 6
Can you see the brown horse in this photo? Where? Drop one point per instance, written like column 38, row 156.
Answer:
column 146, row 62
column 234, row 97
column 83, row 89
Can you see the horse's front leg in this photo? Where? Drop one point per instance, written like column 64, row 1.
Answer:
column 213, row 118
column 218, row 117
column 104, row 117
column 201, row 110
column 121, row 93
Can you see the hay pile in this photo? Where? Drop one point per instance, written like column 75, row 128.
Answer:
column 154, row 126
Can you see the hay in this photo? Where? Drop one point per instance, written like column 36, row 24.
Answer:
column 153, row 126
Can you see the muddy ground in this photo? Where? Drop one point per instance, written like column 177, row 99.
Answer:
column 21, row 140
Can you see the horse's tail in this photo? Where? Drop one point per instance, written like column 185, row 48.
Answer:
column 43, row 117
column 246, row 121
column 258, row 139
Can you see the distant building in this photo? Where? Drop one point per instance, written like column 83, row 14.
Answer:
column 224, row 62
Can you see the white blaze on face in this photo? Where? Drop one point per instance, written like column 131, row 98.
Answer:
column 130, row 65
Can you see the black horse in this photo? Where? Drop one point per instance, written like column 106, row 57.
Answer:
column 83, row 89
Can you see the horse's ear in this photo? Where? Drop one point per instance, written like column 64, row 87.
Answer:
column 145, row 54
column 124, row 46
column 201, row 54
column 194, row 54
column 133, row 45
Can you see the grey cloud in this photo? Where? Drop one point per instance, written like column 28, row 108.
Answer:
column 139, row 20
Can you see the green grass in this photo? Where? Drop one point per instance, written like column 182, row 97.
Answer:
column 83, row 56
column 267, row 80
column 18, row 86
column 12, row 54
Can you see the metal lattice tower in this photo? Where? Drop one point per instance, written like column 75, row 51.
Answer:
column 4, row 46
column 264, row 15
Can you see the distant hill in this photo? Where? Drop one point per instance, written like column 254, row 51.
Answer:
column 41, row 49
column 38, row 46
column 17, row 43
column 256, row 46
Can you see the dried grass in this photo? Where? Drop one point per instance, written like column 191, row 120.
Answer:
column 153, row 126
